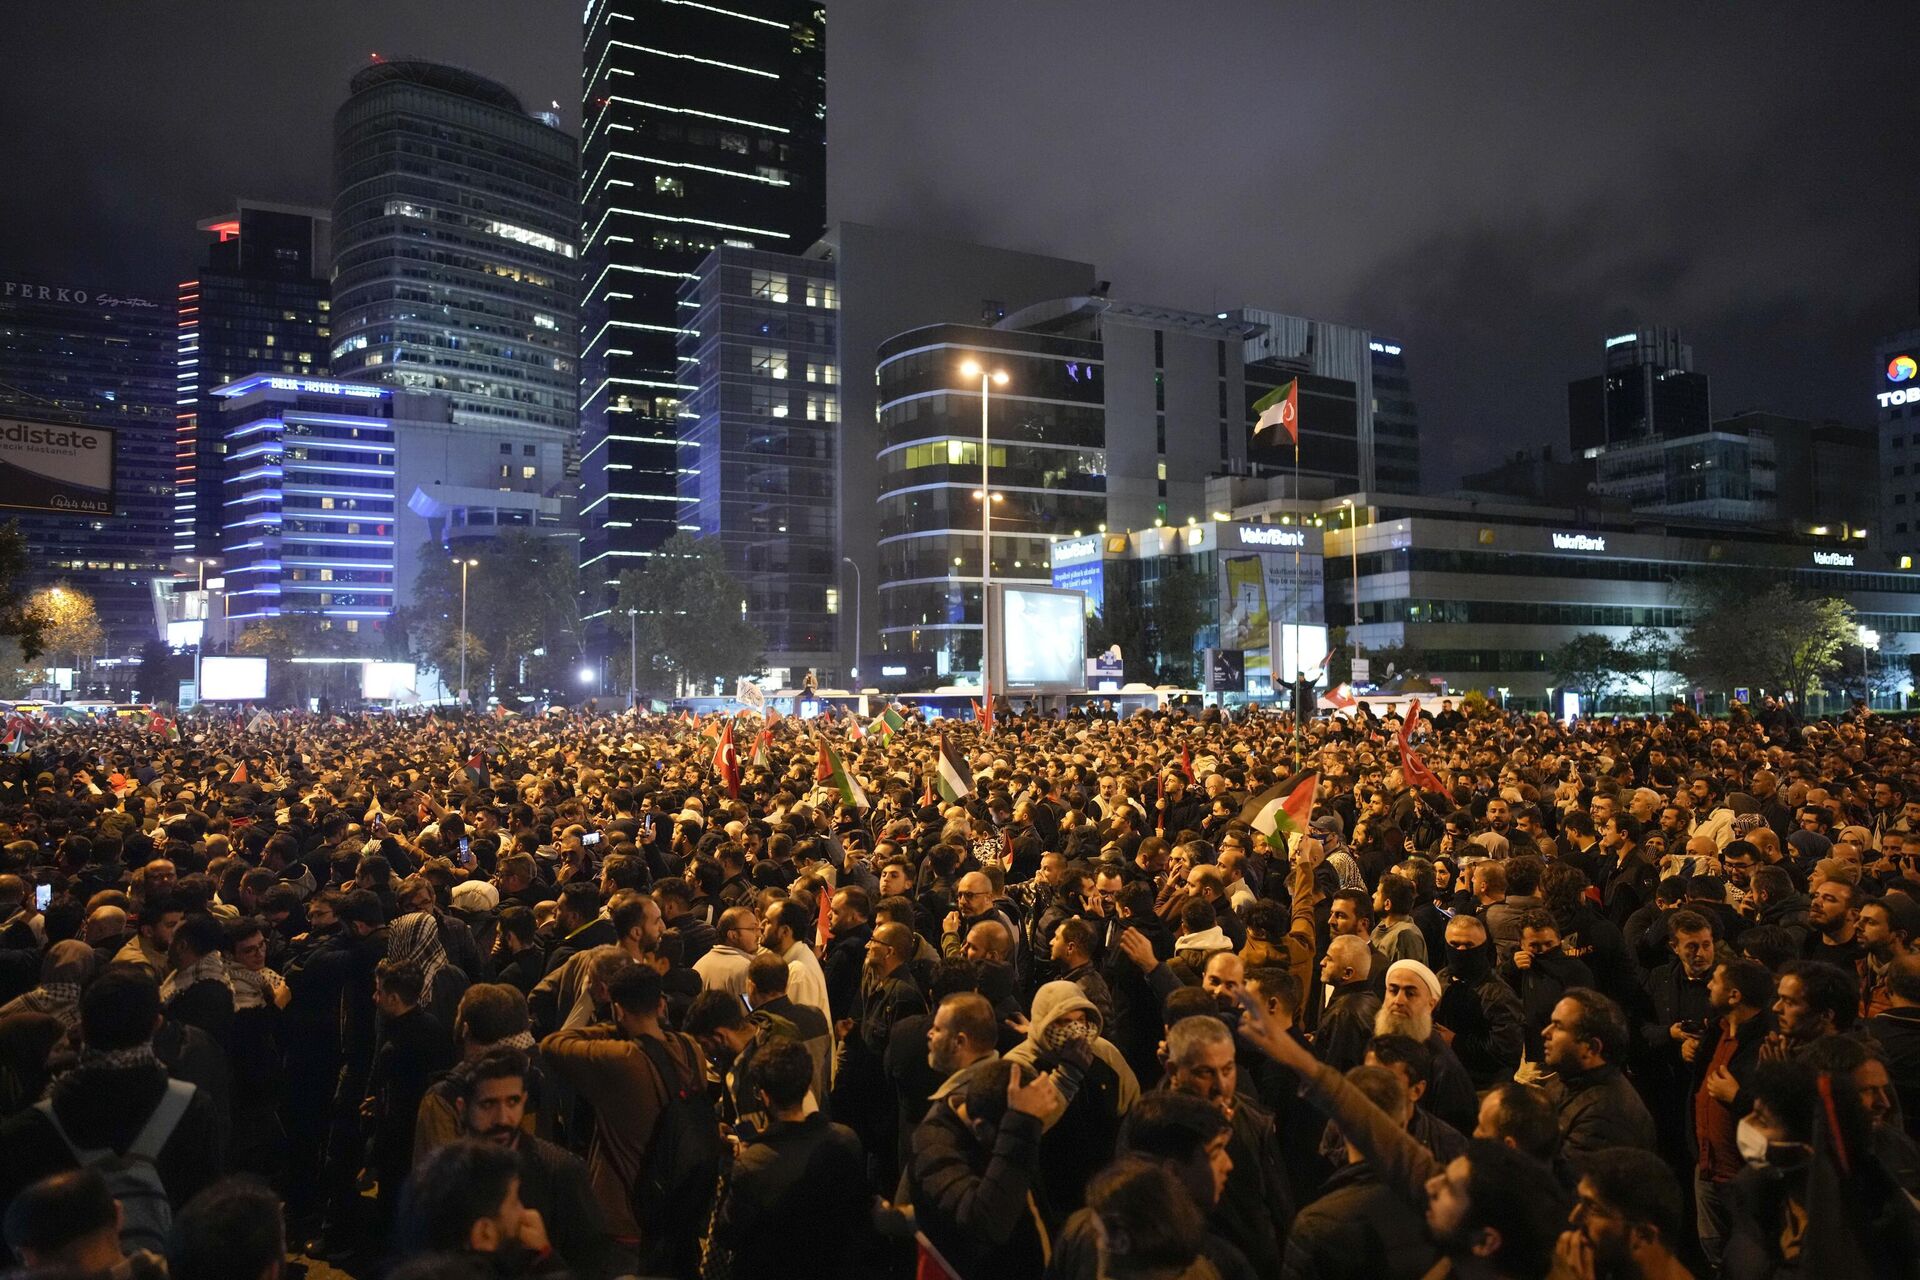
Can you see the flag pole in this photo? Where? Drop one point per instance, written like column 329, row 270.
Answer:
column 1297, row 711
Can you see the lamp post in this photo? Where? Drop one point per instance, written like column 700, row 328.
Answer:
column 856, row 620
column 633, row 658
column 1353, row 553
column 1869, row 640
column 464, row 566
column 972, row 369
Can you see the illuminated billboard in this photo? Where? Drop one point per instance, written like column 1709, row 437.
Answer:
column 56, row 466
column 1039, row 640
column 233, row 679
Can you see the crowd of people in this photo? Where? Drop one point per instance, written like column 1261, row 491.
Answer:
column 1180, row 996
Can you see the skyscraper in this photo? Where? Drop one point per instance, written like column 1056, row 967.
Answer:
column 1646, row 389
column 761, row 435
column 455, row 260
column 83, row 354
column 259, row 305
column 703, row 126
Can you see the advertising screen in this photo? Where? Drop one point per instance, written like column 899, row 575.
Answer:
column 380, row 681
column 1040, row 640
column 233, row 679
column 56, row 466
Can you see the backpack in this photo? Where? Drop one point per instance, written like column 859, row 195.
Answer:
column 675, row 1189
column 133, row 1176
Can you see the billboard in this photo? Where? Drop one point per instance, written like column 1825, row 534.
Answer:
column 1079, row 564
column 56, row 466
column 233, row 679
column 1039, row 640
column 380, row 681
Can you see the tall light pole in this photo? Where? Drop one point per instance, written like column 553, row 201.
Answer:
column 1353, row 551
column 633, row 658
column 464, row 566
column 1869, row 640
column 856, row 621
column 988, row 497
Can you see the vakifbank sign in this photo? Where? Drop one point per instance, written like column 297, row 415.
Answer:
column 1578, row 542
column 56, row 466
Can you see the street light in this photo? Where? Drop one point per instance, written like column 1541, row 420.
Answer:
column 1869, row 640
column 856, row 620
column 974, row 369
column 1353, row 550
column 464, row 566
column 633, row 658
column 586, row 675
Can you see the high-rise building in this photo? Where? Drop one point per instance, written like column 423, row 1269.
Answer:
column 258, row 305
column 1646, row 389
column 1896, row 386
column 704, row 126
column 891, row 281
column 455, row 225
column 1359, row 427
column 1112, row 415
column 104, row 358
column 310, row 498
column 761, row 431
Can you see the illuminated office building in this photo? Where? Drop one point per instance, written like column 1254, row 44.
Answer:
column 703, row 128
column 259, row 304
column 80, row 353
column 455, row 225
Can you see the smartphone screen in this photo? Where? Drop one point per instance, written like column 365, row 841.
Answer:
column 42, row 897
column 464, row 843
column 592, row 837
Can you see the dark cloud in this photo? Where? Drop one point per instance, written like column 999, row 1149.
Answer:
column 1495, row 184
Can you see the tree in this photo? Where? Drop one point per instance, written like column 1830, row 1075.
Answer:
column 1122, row 621
column 1590, row 664
column 158, row 679
column 17, row 623
column 1649, row 653
column 524, row 622
column 69, row 625
column 1775, row 636
column 692, row 615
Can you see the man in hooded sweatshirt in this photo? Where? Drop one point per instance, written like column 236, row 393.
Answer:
column 1097, row 1088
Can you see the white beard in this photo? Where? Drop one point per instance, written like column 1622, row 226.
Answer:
column 1416, row 1026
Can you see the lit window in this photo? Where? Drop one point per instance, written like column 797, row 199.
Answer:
column 665, row 186
column 769, row 285
column 545, row 322
column 326, row 575
column 822, row 408
column 353, row 624
column 528, row 473
column 822, row 294
column 736, row 143
column 833, row 600
column 769, row 363
column 505, row 471
column 1163, row 471
column 823, row 373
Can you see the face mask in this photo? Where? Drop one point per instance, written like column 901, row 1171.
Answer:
column 1752, row 1142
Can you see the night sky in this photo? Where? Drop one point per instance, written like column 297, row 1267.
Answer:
column 1497, row 186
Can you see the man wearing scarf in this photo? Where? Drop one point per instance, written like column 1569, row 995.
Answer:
column 107, row 1098
column 68, row 967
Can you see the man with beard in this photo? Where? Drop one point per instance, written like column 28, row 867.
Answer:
column 1072, row 954
column 1888, row 927
column 1492, row 1212
column 1723, row 1059
column 1811, row 1000
column 1477, row 1008
column 1832, row 925
column 1255, row 1206
column 491, row 1101
column 1626, row 1220
column 1412, row 992
column 1585, row 1043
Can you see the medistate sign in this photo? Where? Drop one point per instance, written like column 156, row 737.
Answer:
column 56, row 466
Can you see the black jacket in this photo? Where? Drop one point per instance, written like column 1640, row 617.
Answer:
column 795, row 1179
column 1484, row 1016
column 1600, row 1109
column 972, row 1196
column 554, row 1181
column 1898, row 1031
column 1358, row 1228
column 600, row 933
column 1340, row 1041
column 1256, row 1207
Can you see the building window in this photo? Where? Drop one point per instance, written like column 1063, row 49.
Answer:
column 821, row 293
column 739, row 144
column 770, row 286
column 528, row 473
column 769, row 363
column 825, row 374
column 665, row 186
column 505, row 447
column 821, row 408
column 505, row 471
column 526, row 451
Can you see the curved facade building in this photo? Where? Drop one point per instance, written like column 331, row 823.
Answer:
column 1047, row 462
column 456, row 268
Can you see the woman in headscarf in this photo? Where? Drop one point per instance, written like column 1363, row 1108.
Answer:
column 68, row 967
column 415, row 939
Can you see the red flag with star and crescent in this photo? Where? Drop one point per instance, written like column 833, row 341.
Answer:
column 726, row 761
column 1412, row 767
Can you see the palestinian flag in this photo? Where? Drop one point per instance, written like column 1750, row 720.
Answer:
column 761, row 742
column 955, row 778
column 833, row 773
column 239, row 776
column 854, row 731
column 164, row 727
column 726, row 762
column 1284, row 808
column 887, row 723
column 1280, row 407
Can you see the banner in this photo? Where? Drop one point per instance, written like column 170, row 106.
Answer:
column 56, row 466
